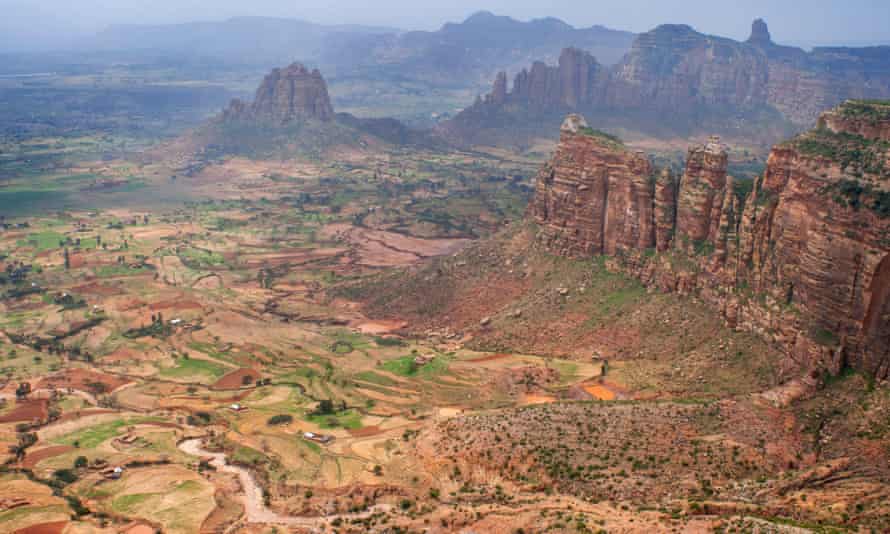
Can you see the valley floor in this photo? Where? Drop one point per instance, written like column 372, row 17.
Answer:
column 363, row 346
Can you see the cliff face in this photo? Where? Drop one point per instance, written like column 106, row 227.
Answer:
column 571, row 84
column 677, row 77
column 291, row 94
column 805, row 263
column 594, row 197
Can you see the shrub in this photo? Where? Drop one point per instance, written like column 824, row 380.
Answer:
column 280, row 419
column 66, row 476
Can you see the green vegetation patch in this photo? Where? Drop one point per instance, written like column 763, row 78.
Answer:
column 854, row 194
column 47, row 240
column 114, row 271
column 350, row 419
column 854, row 153
column 406, row 366
column 91, row 437
column 191, row 367
column 196, row 258
column 599, row 134
column 873, row 111
column 127, row 503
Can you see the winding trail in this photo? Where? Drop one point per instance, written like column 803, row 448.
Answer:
column 255, row 509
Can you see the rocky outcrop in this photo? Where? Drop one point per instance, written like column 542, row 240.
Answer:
column 569, row 85
column 594, row 197
column 803, row 260
column 702, row 192
column 292, row 115
column 679, row 80
column 870, row 120
column 286, row 95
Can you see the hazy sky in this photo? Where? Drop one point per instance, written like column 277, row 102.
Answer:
column 791, row 21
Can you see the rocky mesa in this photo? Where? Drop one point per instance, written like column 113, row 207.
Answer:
column 292, row 114
column 288, row 94
column 803, row 259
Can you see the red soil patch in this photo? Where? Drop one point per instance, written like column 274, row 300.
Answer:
column 365, row 432
column 490, row 358
column 80, row 379
column 235, row 379
column 76, row 261
column 95, row 288
column 124, row 354
column 175, row 304
column 56, row 527
column 381, row 326
column 33, row 458
column 26, row 411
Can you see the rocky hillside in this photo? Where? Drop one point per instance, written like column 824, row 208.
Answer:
column 803, row 260
column 675, row 80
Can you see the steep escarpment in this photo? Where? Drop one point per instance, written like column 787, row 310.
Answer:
column 675, row 80
column 803, row 260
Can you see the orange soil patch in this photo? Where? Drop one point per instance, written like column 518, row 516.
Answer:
column 600, row 392
column 33, row 458
column 26, row 411
column 56, row 527
column 235, row 379
column 535, row 398
column 490, row 358
column 80, row 379
column 365, row 432
column 175, row 304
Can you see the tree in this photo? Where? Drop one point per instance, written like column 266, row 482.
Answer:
column 23, row 390
column 66, row 476
column 325, row 407
column 67, row 259
column 80, row 462
column 246, row 380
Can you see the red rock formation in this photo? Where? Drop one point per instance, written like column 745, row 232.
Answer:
column 290, row 94
column 806, row 264
column 665, row 210
column 594, row 197
column 870, row 120
column 702, row 191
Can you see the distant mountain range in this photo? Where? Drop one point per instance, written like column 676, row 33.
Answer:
column 474, row 49
column 253, row 41
column 457, row 54
column 677, row 81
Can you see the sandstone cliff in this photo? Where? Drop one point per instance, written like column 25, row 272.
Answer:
column 804, row 260
column 285, row 95
column 677, row 80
